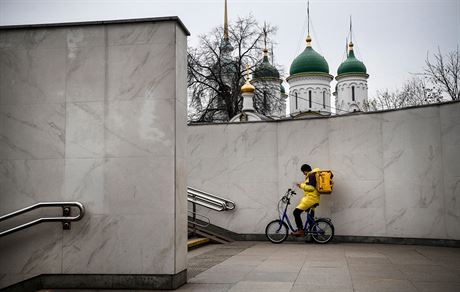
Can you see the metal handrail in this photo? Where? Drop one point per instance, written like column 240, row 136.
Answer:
column 206, row 220
column 64, row 219
column 209, row 200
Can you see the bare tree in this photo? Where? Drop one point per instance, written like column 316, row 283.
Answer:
column 444, row 72
column 215, row 76
column 415, row 91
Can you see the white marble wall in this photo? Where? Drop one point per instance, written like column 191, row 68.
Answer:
column 396, row 173
column 95, row 114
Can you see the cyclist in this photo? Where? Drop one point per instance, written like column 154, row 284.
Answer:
column 310, row 198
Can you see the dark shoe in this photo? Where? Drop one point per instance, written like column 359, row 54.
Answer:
column 298, row 233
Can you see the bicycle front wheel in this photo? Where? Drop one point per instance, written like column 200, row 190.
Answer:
column 322, row 231
column 276, row 231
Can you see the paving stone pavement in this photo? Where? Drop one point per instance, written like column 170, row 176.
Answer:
column 334, row 267
column 295, row 267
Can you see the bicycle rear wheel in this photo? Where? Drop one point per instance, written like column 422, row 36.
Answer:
column 276, row 231
column 322, row 231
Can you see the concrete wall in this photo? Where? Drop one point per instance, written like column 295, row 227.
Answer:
column 397, row 174
column 96, row 114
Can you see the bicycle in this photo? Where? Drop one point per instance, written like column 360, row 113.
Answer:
column 321, row 229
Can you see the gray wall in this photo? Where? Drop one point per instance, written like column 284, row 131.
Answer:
column 96, row 114
column 397, row 173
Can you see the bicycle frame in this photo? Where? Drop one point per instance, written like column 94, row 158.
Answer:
column 310, row 221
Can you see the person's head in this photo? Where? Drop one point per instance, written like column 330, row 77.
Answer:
column 305, row 168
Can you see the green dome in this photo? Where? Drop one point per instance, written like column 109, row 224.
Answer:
column 225, row 46
column 282, row 90
column 351, row 65
column 265, row 70
column 309, row 61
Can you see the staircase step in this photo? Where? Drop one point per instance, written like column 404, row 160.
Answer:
column 211, row 237
column 197, row 242
column 209, row 234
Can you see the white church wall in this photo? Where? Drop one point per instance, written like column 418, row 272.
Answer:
column 344, row 93
column 302, row 86
column 396, row 173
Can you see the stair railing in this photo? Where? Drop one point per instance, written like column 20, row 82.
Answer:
column 66, row 217
column 203, row 220
column 210, row 201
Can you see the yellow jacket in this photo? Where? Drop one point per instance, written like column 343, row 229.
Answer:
column 311, row 195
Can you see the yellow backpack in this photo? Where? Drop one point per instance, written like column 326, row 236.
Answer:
column 324, row 181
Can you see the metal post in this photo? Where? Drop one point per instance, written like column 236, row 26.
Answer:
column 194, row 219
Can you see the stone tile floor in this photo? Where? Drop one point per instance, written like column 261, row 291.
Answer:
column 337, row 267
column 294, row 267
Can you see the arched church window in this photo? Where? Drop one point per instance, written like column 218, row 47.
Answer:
column 296, row 101
column 352, row 93
column 324, row 99
column 309, row 98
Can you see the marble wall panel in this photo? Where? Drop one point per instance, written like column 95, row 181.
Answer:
column 181, row 213
column 181, row 103
column 141, row 33
column 357, row 194
column 252, row 169
column 351, row 203
column 145, row 72
column 360, row 221
column 256, row 203
column 28, row 39
column 32, row 76
column 85, row 130
column 299, row 142
column 207, row 173
column 452, row 203
column 181, row 65
column 87, row 36
column 252, row 140
column 26, row 182
column 396, row 173
column 88, row 113
column 207, row 142
column 20, row 255
column 115, row 244
column 181, row 130
column 32, row 131
column 139, row 128
column 450, row 135
column 84, row 182
column 139, row 185
column 85, row 73
column 412, row 158
column 355, row 144
column 161, row 244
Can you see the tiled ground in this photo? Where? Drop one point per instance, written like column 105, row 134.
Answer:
column 333, row 267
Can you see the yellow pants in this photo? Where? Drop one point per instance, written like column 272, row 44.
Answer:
column 307, row 202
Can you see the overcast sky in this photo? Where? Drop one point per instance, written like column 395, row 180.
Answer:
column 391, row 37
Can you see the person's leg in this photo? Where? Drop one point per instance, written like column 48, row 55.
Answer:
column 298, row 219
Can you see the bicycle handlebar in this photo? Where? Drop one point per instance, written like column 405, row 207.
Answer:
column 290, row 191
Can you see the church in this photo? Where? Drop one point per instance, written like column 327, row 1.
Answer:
column 309, row 83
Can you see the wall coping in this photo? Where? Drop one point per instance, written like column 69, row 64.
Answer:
column 99, row 22
column 333, row 116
